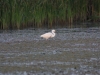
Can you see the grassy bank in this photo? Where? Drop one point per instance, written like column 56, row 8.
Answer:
column 17, row 14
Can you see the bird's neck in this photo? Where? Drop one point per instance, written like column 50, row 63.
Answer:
column 53, row 33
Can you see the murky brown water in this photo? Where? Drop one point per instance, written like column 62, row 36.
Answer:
column 72, row 52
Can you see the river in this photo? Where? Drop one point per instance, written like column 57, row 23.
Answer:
column 74, row 51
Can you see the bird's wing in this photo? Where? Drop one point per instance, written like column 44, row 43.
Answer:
column 46, row 34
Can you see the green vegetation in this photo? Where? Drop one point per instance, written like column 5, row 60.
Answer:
column 18, row 14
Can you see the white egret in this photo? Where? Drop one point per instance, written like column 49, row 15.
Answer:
column 48, row 35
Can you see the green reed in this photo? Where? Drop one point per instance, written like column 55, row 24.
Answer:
column 18, row 14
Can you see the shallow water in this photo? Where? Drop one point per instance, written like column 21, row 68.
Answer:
column 74, row 51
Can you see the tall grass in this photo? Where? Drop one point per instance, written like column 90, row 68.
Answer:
column 17, row 14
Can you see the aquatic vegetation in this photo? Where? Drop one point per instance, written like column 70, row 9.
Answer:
column 18, row 14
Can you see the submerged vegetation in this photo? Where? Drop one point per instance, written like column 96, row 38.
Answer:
column 17, row 14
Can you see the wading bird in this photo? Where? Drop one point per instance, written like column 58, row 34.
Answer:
column 48, row 35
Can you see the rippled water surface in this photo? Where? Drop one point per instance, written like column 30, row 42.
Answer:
column 74, row 51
